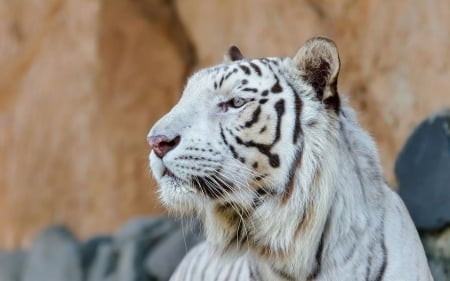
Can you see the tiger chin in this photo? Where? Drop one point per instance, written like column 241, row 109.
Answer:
column 286, row 182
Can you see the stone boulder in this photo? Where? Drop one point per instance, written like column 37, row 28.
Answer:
column 437, row 248
column 144, row 249
column 95, row 258
column 11, row 265
column 55, row 256
column 423, row 172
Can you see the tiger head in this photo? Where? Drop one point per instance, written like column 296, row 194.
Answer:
column 241, row 131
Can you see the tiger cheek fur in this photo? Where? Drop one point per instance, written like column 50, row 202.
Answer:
column 275, row 164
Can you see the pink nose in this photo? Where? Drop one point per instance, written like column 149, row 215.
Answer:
column 162, row 144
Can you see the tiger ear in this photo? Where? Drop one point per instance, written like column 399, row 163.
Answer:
column 233, row 54
column 318, row 62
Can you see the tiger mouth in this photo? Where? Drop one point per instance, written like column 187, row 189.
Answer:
column 168, row 173
column 213, row 186
column 175, row 183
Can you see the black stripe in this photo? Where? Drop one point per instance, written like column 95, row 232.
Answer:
column 255, row 117
column 260, row 178
column 274, row 61
column 222, row 135
column 264, row 61
column 313, row 275
column 233, row 151
column 254, row 273
column 261, row 193
column 221, row 81
column 276, row 88
column 253, row 90
column 380, row 274
column 274, row 159
column 298, row 108
column 230, row 73
column 255, row 68
column 245, row 69
column 279, row 108
column 369, row 264
column 319, row 253
column 295, row 165
column 231, row 147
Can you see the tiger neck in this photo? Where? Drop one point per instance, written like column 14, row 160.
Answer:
column 297, row 246
column 324, row 219
column 293, row 239
column 282, row 249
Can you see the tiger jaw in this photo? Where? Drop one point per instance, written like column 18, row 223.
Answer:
column 196, row 183
column 166, row 178
column 229, row 182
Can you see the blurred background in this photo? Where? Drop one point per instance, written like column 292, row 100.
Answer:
column 82, row 82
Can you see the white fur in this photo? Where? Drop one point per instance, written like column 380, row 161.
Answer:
column 339, row 192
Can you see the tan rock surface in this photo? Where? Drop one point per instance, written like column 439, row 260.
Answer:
column 82, row 81
column 81, row 84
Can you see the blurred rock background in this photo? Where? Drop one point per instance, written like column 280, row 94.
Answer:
column 82, row 81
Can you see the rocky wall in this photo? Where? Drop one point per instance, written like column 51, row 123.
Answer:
column 82, row 81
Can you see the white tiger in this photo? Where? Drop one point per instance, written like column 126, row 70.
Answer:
column 286, row 183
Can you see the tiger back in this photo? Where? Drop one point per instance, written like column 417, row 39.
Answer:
column 287, row 184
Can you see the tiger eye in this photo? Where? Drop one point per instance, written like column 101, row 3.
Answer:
column 237, row 102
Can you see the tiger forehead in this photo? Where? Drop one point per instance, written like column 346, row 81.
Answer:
column 248, row 77
column 249, row 67
column 241, row 73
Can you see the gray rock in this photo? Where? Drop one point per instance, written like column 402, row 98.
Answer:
column 437, row 248
column 145, row 249
column 95, row 257
column 138, row 241
column 132, row 244
column 423, row 173
column 166, row 255
column 103, row 265
column 55, row 256
column 11, row 265
column 438, row 270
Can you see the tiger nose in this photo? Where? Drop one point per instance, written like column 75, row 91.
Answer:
column 161, row 144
